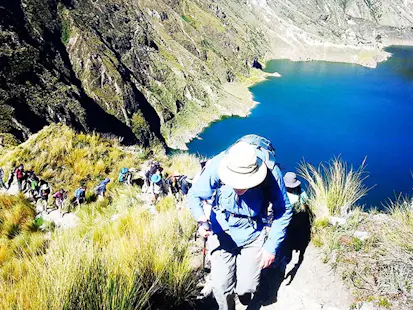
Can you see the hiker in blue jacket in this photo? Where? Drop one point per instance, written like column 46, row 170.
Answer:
column 100, row 190
column 80, row 194
column 244, row 187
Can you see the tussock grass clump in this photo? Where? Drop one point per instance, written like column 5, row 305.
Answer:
column 19, row 235
column 334, row 187
column 122, row 257
column 379, row 268
column 184, row 163
column 400, row 229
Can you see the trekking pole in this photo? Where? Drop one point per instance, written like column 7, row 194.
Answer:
column 206, row 226
column 204, row 254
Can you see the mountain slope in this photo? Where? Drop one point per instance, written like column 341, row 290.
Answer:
column 157, row 71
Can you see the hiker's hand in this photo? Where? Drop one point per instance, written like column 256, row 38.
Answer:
column 266, row 258
column 201, row 229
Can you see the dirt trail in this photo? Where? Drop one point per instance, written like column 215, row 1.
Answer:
column 315, row 286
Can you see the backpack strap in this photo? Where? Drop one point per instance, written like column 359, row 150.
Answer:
column 267, row 155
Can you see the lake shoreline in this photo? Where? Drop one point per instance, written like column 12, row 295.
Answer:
column 320, row 110
column 237, row 100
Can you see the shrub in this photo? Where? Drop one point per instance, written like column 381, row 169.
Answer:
column 334, row 187
column 183, row 163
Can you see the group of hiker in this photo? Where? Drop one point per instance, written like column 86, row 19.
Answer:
column 28, row 181
column 154, row 183
column 243, row 205
column 157, row 184
column 38, row 189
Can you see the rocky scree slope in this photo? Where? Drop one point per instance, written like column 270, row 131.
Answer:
column 154, row 71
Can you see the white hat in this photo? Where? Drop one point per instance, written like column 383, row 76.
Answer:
column 240, row 168
column 290, row 180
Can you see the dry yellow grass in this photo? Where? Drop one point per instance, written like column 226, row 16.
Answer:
column 65, row 158
column 334, row 187
column 122, row 264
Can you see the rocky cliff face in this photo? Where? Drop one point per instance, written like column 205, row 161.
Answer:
column 154, row 70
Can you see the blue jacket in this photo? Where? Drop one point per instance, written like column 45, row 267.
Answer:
column 80, row 192
column 252, row 204
column 101, row 188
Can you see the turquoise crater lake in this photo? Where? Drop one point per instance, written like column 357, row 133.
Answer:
column 318, row 110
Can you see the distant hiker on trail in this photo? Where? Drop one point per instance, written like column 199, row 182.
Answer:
column 146, row 174
column 44, row 195
column 297, row 196
column 157, row 187
column 154, row 167
column 299, row 230
column 10, row 178
column 100, row 190
column 20, row 176
column 1, row 179
column 80, row 194
column 173, row 186
column 33, row 182
column 59, row 198
column 178, row 185
column 184, row 184
column 244, row 180
column 125, row 176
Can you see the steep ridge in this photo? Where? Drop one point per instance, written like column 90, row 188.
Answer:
column 153, row 71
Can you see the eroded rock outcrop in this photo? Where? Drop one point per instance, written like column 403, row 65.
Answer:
column 154, row 71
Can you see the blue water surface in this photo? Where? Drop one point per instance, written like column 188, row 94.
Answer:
column 318, row 110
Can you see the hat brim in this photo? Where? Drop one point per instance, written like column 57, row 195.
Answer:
column 239, row 180
column 293, row 184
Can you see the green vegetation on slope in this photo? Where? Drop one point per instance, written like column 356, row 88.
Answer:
column 64, row 158
column 120, row 255
column 20, row 236
column 131, row 262
column 377, row 267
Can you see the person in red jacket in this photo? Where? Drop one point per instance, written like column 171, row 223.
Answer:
column 20, row 175
column 59, row 197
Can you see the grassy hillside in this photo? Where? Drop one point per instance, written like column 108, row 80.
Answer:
column 64, row 158
column 371, row 250
column 131, row 262
column 120, row 256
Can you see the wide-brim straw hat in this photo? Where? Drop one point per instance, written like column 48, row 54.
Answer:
column 241, row 168
column 290, row 180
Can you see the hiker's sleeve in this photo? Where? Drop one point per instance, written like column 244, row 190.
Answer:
column 282, row 212
column 204, row 188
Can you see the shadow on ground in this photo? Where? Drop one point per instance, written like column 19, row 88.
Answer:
column 298, row 238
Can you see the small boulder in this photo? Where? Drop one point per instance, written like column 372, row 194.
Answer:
column 362, row 235
column 334, row 220
column 368, row 306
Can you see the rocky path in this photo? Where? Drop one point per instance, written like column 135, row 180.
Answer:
column 61, row 219
column 314, row 287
